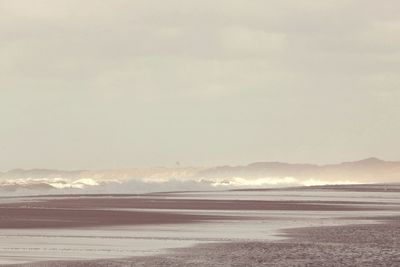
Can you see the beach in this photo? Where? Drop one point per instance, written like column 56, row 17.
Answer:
column 285, row 227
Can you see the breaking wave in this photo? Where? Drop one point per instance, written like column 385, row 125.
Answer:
column 162, row 179
column 36, row 186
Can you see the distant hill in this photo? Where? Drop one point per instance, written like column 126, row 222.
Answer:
column 254, row 175
column 366, row 170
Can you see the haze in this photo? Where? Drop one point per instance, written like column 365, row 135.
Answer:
column 115, row 84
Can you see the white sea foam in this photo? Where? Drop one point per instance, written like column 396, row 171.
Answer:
column 60, row 185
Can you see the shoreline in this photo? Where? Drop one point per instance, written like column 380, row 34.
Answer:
column 97, row 212
column 295, row 228
column 349, row 245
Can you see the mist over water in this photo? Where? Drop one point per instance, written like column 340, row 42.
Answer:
column 160, row 179
column 37, row 186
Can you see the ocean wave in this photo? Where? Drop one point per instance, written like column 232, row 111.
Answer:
column 35, row 186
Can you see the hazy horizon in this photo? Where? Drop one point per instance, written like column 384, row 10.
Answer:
column 180, row 165
column 120, row 84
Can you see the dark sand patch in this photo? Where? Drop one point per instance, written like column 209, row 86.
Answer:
column 89, row 211
column 28, row 218
column 192, row 204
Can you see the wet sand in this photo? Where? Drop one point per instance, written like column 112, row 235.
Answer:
column 88, row 211
column 352, row 245
column 193, row 230
column 190, row 204
column 29, row 218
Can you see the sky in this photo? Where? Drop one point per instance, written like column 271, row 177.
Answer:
column 126, row 83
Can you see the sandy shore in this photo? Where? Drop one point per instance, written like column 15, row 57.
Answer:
column 287, row 228
column 353, row 245
column 89, row 211
column 190, row 204
column 28, row 218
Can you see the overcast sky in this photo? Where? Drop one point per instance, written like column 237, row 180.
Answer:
column 114, row 84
